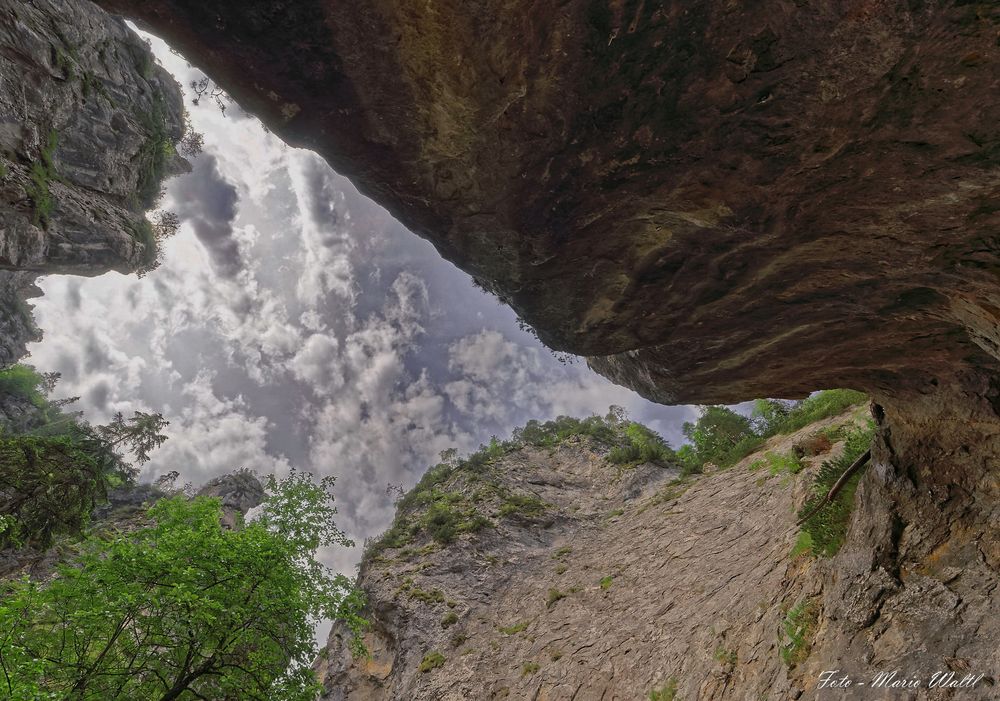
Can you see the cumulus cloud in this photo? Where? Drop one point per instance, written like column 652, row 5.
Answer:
column 206, row 201
column 317, row 333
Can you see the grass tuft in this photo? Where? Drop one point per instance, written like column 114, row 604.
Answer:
column 432, row 660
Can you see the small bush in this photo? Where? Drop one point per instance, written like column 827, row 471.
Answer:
column 821, row 405
column 449, row 619
column 529, row 668
column 154, row 155
column 434, row 596
column 668, row 692
column 673, row 490
column 642, row 445
column 827, row 529
column 554, row 596
column 523, row 505
column 42, row 173
column 803, row 544
column 432, row 660
column 606, row 582
column 727, row 657
column 788, row 464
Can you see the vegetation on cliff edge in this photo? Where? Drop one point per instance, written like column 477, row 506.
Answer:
column 723, row 437
column 452, row 497
column 54, row 474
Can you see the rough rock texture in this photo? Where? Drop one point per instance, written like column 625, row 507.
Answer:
column 239, row 492
column 83, row 106
column 658, row 580
column 17, row 325
column 726, row 200
column 715, row 201
column 693, row 593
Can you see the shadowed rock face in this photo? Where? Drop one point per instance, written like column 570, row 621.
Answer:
column 82, row 106
column 720, row 201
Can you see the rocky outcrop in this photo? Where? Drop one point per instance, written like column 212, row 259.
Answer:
column 88, row 123
column 17, row 324
column 633, row 581
column 713, row 201
column 238, row 492
column 717, row 201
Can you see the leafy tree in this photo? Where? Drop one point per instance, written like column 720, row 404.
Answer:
column 50, row 486
column 769, row 415
column 192, row 142
column 185, row 608
column 716, row 431
column 24, row 381
column 138, row 435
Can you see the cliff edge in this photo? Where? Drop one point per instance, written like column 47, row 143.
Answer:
column 569, row 576
column 88, row 125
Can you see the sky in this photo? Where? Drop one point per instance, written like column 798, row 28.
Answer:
column 294, row 324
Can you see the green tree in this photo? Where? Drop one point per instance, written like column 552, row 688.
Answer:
column 769, row 415
column 185, row 608
column 50, row 483
column 716, row 431
column 50, row 486
column 138, row 435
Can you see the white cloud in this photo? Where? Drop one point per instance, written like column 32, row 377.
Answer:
column 302, row 327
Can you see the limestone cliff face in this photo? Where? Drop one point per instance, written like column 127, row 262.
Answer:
column 88, row 121
column 631, row 581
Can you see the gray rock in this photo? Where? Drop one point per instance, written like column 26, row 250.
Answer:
column 611, row 597
column 83, row 107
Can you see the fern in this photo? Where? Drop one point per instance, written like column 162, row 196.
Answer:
column 827, row 528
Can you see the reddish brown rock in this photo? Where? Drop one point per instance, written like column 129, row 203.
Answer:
column 728, row 201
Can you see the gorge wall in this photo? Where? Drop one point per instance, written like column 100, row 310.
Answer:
column 88, row 123
column 597, row 582
column 712, row 201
